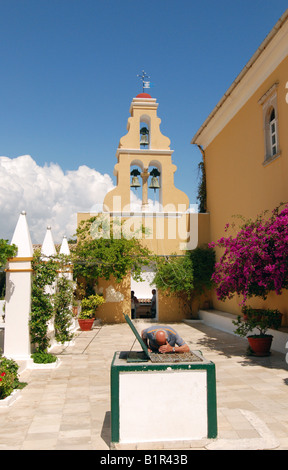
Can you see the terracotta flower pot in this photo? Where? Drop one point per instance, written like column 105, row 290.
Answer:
column 260, row 345
column 86, row 324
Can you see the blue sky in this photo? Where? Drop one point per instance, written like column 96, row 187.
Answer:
column 69, row 73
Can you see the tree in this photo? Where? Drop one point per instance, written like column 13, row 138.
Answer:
column 6, row 251
column 255, row 261
column 203, row 262
column 202, row 191
column 187, row 276
column 103, row 251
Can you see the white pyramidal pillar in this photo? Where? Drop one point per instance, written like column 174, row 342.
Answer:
column 65, row 250
column 67, row 272
column 17, row 343
column 48, row 248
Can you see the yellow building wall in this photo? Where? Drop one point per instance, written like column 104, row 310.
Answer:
column 118, row 295
column 238, row 182
column 117, row 300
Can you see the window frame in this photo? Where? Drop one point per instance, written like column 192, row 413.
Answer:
column 271, row 136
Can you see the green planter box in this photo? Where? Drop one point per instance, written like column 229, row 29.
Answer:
column 161, row 402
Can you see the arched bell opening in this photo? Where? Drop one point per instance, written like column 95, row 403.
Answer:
column 144, row 132
column 155, row 185
column 135, row 186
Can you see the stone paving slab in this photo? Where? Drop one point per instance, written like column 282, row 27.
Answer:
column 69, row 407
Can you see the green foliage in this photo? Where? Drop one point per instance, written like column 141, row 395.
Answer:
column 6, row 383
column 2, row 285
column 6, row 251
column 44, row 272
column 255, row 261
column 202, row 192
column 41, row 302
column 185, row 276
column 259, row 319
column 9, row 378
column 9, row 364
column 45, row 305
column 104, row 250
column 174, row 275
column 43, row 357
column 203, row 263
column 62, row 310
column 89, row 306
column 41, row 312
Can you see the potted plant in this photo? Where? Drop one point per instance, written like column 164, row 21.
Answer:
column 258, row 319
column 89, row 306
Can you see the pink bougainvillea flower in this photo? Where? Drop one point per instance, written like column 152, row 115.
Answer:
column 255, row 261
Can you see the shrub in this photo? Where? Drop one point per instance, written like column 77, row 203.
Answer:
column 186, row 277
column 43, row 357
column 6, row 383
column 9, row 379
column 255, row 262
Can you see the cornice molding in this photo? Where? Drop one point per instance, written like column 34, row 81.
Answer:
column 142, row 151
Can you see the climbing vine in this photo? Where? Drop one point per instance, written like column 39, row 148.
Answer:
column 102, row 256
column 45, row 304
column 63, row 298
column 44, row 275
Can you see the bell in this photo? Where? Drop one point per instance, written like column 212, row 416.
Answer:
column 154, row 183
column 135, row 182
column 144, row 140
column 144, row 136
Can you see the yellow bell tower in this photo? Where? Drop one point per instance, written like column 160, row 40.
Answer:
column 144, row 156
column 165, row 226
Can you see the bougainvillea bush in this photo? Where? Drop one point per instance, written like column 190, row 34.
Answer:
column 255, row 261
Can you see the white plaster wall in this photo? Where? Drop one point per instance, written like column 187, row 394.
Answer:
column 165, row 405
column 17, row 313
column 223, row 321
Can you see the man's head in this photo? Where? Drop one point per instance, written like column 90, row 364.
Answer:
column 161, row 337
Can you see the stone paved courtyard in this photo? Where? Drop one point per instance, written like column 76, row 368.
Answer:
column 69, row 407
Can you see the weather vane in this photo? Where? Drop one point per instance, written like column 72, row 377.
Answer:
column 145, row 80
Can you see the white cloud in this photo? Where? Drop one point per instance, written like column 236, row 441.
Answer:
column 48, row 195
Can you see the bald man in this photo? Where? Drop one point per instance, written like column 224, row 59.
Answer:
column 164, row 339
